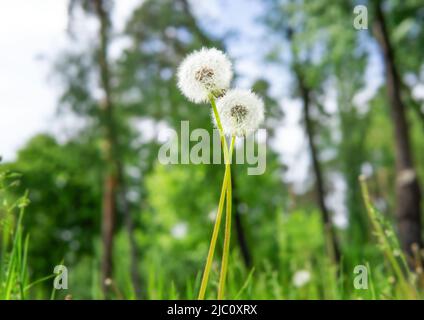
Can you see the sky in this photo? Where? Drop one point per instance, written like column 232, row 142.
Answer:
column 32, row 34
column 30, row 31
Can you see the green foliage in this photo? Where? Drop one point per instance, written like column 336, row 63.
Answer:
column 14, row 242
column 61, row 220
column 405, row 282
column 173, row 259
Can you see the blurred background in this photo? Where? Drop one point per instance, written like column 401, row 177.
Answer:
column 88, row 95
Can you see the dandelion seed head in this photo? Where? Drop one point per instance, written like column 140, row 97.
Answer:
column 301, row 278
column 179, row 231
column 241, row 112
column 204, row 75
column 203, row 72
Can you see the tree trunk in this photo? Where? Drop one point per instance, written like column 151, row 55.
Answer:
column 319, row 182
column 114, row 176
column 108, row 223
column 408, row 195
column 110, row 178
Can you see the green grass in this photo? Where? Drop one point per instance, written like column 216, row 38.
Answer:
column 300, row 246
column 14, row 245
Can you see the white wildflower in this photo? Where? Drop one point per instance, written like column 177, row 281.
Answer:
column 203, row 72
column 241, row 112
column 301, row 278
column 212, row 214
column 179, row 231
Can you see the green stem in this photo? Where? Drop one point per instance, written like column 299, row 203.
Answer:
column 227, row 238
column 221, row 130
column 215, row 232
column 212, row 245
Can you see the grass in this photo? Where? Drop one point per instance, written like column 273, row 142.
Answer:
column 14, row 275
column 299, row 248
column 14, row 245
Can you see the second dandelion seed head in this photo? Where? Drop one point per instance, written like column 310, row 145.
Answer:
column 241, row 112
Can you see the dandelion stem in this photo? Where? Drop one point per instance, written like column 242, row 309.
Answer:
column 218, row 218
column 227, row 238
column 212, row 245
column 221, row 130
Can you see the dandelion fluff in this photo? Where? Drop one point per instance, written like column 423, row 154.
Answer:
column 203, row 72
column 241, row 112
column 179, row 231
column 301, row 278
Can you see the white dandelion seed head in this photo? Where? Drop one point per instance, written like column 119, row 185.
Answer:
column 203, row 72
column 241, row 112
column 301, row 278
column 179, row 231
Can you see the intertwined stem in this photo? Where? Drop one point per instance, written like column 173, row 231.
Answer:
column 224, row 190
column 227, row 238
column 212, row 245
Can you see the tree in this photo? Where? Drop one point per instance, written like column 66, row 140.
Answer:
column 408, row 194
column 110, row 186
column 293, row 21
column 112, row 134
